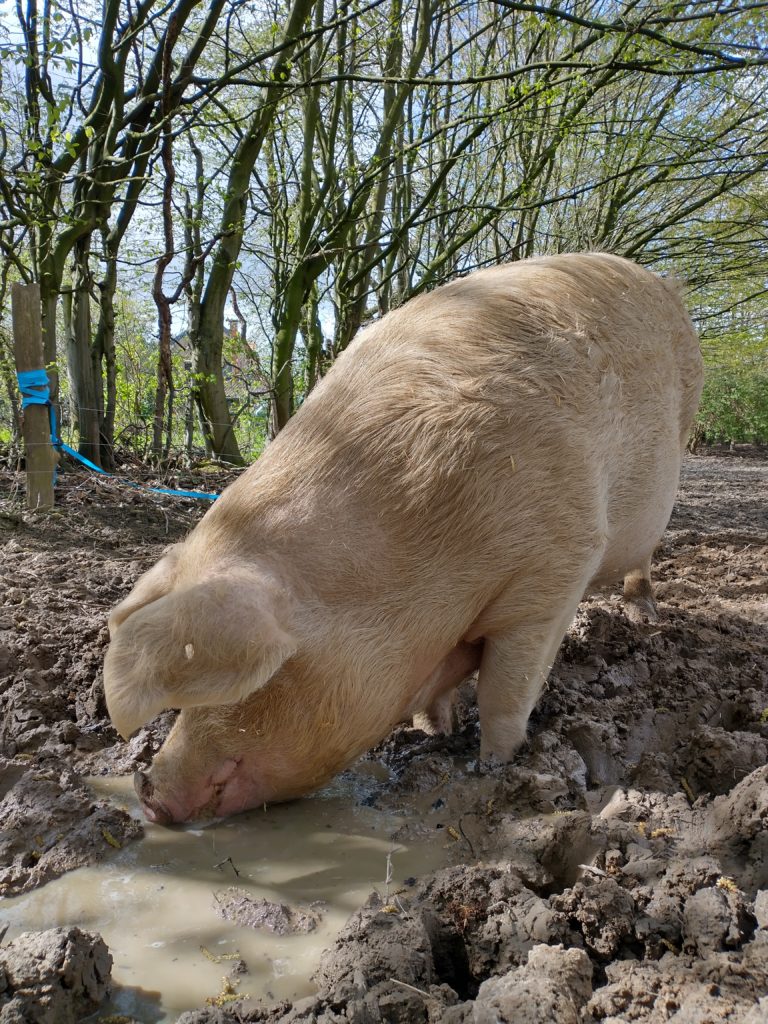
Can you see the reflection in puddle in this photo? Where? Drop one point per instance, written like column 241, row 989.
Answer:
column 154, row 905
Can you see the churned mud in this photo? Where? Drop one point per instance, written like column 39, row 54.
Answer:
column 617, row 871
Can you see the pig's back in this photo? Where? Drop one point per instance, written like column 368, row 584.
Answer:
column 535, row 410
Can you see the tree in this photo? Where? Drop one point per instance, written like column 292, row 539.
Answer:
column 77, row 146
column 466, row 165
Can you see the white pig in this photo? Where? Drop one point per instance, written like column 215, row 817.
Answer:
column 475, row 462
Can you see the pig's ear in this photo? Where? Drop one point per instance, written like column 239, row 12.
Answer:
column 212, row 643
column 155, row 583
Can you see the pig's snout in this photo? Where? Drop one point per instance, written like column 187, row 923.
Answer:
column 153, row 809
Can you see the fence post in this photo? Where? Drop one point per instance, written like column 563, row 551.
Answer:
column 28, row 352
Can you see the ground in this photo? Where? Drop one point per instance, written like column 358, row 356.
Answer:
column 617, row 871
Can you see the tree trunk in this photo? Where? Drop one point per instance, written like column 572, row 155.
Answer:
column 189, row 427
column 49, row 296
column 104, row 346
column 82, row 387
column 313, row 341
column 209, row 341
column 9, row 382
column 195, row 403
column 211, row 399
column 282, row 355
column 164, row 379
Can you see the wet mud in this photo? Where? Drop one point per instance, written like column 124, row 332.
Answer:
column 245, row 905
column 616, row 871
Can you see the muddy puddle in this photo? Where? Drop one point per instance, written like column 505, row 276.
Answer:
column 159, row 903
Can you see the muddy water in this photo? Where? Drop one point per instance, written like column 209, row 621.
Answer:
column 154, row 904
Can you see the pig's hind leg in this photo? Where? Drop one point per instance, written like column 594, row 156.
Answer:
column 638, row 594
column 437, row 718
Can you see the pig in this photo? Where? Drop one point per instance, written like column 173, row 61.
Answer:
column 474, row 463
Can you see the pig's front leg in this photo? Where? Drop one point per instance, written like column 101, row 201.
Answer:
column 513, row 672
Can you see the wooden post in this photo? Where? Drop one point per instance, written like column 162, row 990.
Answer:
column 28, row 352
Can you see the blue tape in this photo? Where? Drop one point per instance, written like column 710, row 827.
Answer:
column 180, row 494
column 81, row 458
column 35, row 390
column 29, row 379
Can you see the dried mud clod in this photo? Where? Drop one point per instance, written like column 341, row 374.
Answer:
column 240, row 907
column 58, row 976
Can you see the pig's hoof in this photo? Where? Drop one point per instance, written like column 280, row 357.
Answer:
column 641, row 609
column 490, row 764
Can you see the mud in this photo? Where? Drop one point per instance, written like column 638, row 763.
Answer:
column 247, row 904
column 52, row 824
column 617, row 871
column 240, row 907
column 53, row 977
